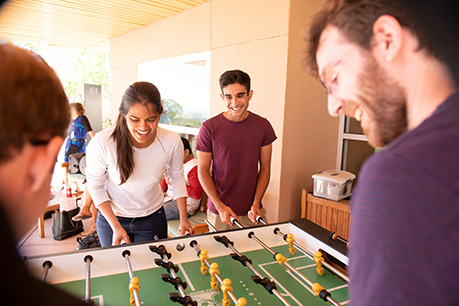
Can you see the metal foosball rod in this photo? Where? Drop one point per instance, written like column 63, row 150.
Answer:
column 164, row 262
column 134, row 281
column 87, row 295
column 258, row 278
column 169, row 266
column 194, row 244
column 316, row 288
column 313, row 256
column 306, row 252
column 46, row 266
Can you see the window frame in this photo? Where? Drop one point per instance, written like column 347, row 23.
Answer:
column 342, row 137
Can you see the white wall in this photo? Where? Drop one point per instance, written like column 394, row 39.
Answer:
column 263, row 38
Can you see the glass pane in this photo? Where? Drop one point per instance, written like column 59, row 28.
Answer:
column 355, row 152
column 352, row 126
column 184, row 87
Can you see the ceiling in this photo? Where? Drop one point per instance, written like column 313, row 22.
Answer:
column 82, row 24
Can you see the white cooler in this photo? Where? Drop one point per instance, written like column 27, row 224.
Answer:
column 333, row 184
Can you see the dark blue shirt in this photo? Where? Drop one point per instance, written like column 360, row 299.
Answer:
column 405, row 218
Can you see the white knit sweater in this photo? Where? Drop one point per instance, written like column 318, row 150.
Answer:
column 141, row 194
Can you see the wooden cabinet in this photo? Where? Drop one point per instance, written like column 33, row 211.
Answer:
column 334, row 216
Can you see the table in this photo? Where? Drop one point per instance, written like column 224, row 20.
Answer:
column 53, row 205
column 109, row 281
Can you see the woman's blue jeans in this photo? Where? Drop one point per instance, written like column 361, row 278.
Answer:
column 138, row 229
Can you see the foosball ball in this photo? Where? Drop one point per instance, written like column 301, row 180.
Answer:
column 291, row 263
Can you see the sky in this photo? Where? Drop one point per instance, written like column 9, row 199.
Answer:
column 184, row 79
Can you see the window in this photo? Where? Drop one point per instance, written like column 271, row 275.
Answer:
column 183, row 82
column 353, row 148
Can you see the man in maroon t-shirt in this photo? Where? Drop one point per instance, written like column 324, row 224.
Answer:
column 234, row 156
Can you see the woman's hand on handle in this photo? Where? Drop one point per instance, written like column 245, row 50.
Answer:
column 185, row 227
column 120, row 236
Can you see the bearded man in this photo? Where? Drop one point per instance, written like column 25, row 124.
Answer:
column 378, row 65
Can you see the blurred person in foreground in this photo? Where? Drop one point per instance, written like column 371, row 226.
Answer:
column 34, row 116
column 378, row 65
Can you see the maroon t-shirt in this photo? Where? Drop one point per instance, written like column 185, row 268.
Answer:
column 235, row 148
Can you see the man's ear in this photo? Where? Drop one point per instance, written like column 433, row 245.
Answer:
column 43, row 161
column 250, row 94
column 388, row 37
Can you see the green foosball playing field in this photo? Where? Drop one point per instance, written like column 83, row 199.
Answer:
column 114, row 290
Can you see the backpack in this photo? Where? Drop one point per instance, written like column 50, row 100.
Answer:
column 92, row 241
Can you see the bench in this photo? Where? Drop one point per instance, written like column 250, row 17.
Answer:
column 334, row 216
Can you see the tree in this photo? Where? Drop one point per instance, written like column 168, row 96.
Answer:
column 82, row 66
column 88, row 67
column 174, row 115
column 173, row 109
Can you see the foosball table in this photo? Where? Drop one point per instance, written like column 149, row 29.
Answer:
column 291, row 263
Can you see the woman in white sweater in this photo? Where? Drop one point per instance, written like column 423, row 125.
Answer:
column 125, row 165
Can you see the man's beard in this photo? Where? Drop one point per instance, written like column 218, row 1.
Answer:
column 384, row 101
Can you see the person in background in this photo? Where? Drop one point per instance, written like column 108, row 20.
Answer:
column 79, row 128
column 88, row 211
column 193, row 187
column 378, row 65
column 234, row 156
column 125, row 165
column 34, row 117
column 76, row 143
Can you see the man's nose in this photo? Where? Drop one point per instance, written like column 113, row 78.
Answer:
column 335, row 106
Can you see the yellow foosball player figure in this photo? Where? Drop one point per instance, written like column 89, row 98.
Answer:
column 281, row 259
column 225, row 287
column 212, row 271
column 318, row 258
column 203, row 257
column 133, row 285
column 290, row 240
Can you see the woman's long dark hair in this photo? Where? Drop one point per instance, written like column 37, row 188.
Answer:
column 142, row 93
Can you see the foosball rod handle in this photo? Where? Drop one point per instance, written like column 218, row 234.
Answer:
column 210, row 225
column 257, row 218
column 235, row 222
column 334, row 236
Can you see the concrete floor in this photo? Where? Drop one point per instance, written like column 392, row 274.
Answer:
column 33, row 245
